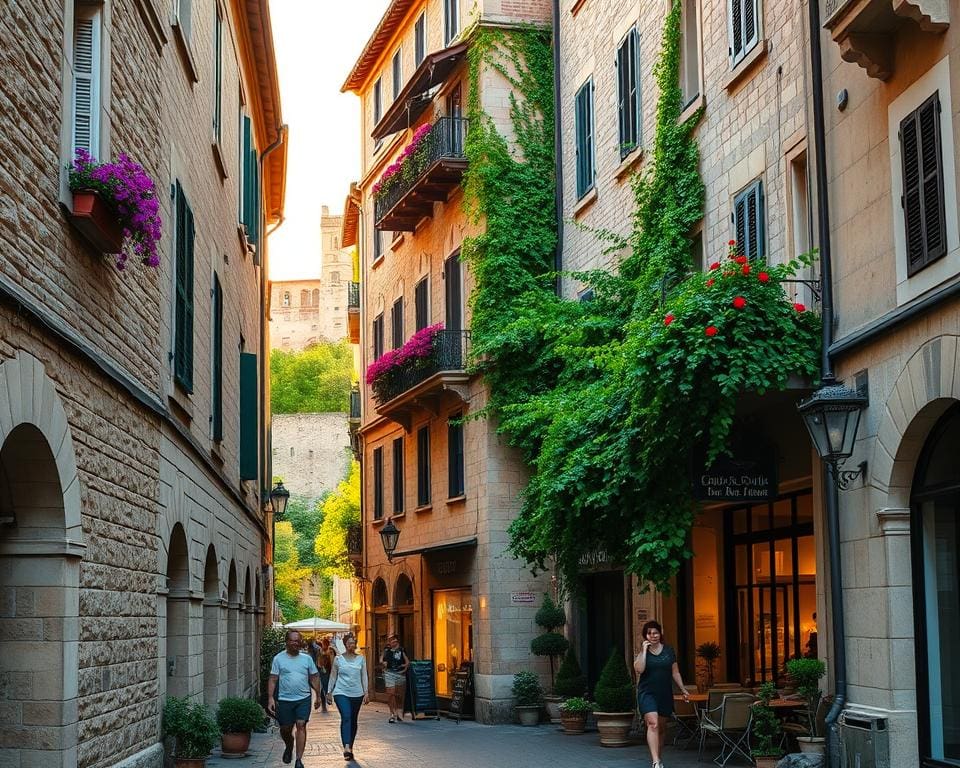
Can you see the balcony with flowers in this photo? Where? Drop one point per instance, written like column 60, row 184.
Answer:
column 429, row 168
column 419, row 374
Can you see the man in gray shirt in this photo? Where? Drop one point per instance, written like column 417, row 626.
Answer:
column 296, row 674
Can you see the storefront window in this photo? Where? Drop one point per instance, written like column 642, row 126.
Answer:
column 452, row 635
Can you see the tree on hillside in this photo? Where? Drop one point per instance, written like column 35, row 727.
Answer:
column 341, row 509
column 289, row 575
column 316, row 380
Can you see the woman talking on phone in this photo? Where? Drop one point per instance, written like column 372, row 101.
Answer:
column 656, row 664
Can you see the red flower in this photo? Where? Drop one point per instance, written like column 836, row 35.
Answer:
column 763, row 277
column 715, row 265
column 746, row 269
column 709, row 282
column 799, row 307
column 711, row 330
column 732, row 242
column 739, row 302
column 741, row 259
column 668, row 319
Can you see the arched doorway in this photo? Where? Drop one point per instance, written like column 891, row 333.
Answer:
column 403, row 600
column 211, row 629
column 233, row 632
column 248, row 618
column 935, row 543
column 380, row 628
column 178, row 614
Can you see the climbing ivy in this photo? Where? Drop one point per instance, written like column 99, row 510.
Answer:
column 608, row 400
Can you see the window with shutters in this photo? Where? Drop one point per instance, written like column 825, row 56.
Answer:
column 183, row 304
column 378, row 337
column 455, row 455
column 249, row 416
column 922, row 199
column 744, row 28
column 377, row 108
column 377, row 244
column 423, row 466
column 451, row 20
column 453, row 286
column 87, row 87
column 748, row 221
column 628, row 92
column 396, row 324
column 286, row 298
column 690, row 52
column 216, row 351
column 378, row 483
column 217, row 76
column 397, row 73
column 250, row 203
column 422, row 304
column 583, row 131
column 398, row 476
column 420, row 39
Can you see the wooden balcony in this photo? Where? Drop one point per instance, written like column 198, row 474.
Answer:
column 427, row 176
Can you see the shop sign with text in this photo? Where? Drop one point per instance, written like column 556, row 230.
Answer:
column 744, row 480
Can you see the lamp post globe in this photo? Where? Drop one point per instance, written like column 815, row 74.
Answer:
column 278, row 498
column 389, row 536
column 832, row 416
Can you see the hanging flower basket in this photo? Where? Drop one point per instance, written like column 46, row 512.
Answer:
column 96, row 221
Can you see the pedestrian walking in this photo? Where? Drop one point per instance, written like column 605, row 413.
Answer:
column 348, row 684
column 324, row 659
column 657, row 666
column 292, row 675
column 394, row 663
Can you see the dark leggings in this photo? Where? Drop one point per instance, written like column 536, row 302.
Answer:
column 349, row 708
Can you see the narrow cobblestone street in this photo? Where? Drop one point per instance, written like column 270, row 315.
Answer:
column 445, row 744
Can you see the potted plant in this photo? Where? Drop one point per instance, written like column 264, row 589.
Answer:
column 573, row 714
column 766, row 732
column 193, row 730
column 709, row 652
column 570, row 680
column 550, row 644
column 807, row 674
column 115, row 207
column 528, row 695
column 237, row 718
column 614, row 701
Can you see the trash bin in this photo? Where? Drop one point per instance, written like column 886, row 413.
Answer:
column 864, row 740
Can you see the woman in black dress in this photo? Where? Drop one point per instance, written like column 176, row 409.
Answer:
column 656, row 664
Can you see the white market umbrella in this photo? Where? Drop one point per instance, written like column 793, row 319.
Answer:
column 316, row 624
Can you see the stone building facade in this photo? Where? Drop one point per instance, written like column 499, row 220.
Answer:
column 451, row 591
column 311, row 452
column 133, row 536
column 296, row 316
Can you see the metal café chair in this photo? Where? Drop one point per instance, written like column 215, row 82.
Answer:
column 687, row 721
column 730, row 723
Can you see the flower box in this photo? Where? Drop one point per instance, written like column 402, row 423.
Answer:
column 96, row 222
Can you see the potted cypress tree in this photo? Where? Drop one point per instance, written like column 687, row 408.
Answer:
column 237, row 718
column 528, row 695
column 193, row 730
column 570, row 679
column 550, row 644
column 807, row 674
column 765, row 730
column 615, row 701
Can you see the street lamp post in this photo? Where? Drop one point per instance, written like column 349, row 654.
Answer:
column 279, row 496
column 389, row 536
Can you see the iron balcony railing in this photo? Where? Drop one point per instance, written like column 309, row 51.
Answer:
column 450, row 350
column 354, row 539
column 353, row 295
column 355, row 403
column 444, row 142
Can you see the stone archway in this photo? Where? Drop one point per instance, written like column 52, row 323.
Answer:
column 249, row 613
column 211, row 629
column 41, row 544
column 233, row 632
column 178, row 614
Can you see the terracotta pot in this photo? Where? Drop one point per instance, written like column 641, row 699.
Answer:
column 190, row 762
column 812, row 745
column 552, row 703
column 96, row 222
column 234, row 744
column 573, row 722
column 768, row 762
column 613, row 727
column 528, row 715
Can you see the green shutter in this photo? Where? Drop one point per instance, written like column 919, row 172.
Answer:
column 183, row 309
column 217, row 398
column 247, row 173
column 248, row 416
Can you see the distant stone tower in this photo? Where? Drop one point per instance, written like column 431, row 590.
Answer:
column 336, row 274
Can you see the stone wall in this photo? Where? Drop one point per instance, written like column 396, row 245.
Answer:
column 311, row 452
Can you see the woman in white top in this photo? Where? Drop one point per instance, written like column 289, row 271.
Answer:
column 348, row 684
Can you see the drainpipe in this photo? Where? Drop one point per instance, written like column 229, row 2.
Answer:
column 557, row 146
column 831, row 491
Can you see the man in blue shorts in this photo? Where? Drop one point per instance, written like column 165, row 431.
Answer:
column 296, row 674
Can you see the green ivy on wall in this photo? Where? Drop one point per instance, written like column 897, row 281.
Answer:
column 607, row 399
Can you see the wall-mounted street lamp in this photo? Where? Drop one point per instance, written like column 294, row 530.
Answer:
column 278, row 498
column 832, row 416
column 389, row 536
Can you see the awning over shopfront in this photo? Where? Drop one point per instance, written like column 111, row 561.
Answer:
column 443, row 547
column 414, row 99
column 318, row 625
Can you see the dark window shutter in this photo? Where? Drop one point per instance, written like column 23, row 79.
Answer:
column 451, row 279
column 247, row 201
column 183, row 309
column 378, row 337
column 748, row 221
column 420, row 40
column 750, row 24
column 628, row 92
column 740, row 222
column 583, row 120
column 421, row 307
column 736, row 25
column 396, row 323
column 455, row 457
column 398, row 476
column 249, row 416
column 217, row 394
column 923, row 204
column 423, row 466
column 622, row 93
column 378, row 483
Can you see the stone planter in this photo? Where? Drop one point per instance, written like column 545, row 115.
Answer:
column 767, row 762
column 552, row 703
column 812, row 745
column 573, row 722
column 529, row 715
column 96, row 222
column 613, row 727
column 234, row 744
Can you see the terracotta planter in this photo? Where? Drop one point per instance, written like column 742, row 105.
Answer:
column 234, row 744
column 812, row 745
column 768, row 762
column 190, row 762
column 573, row 722
column 96, row 222
column 552, row 703
column 528, row 715
column 613, row 727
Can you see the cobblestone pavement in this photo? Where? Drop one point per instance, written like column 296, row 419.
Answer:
column 445, row 744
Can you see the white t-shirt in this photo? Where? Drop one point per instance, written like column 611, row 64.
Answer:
column 351, row 676
column 294, row 673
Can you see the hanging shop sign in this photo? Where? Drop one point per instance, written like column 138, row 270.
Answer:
column 727, row 479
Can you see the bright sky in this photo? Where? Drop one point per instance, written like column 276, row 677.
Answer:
column 317, row 44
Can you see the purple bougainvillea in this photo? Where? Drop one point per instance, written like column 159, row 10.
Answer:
column 418, row 137
column 131, row 194
column 418, row 348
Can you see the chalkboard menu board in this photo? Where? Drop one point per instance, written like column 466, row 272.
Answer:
column 422, row 686
column 461, row 684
